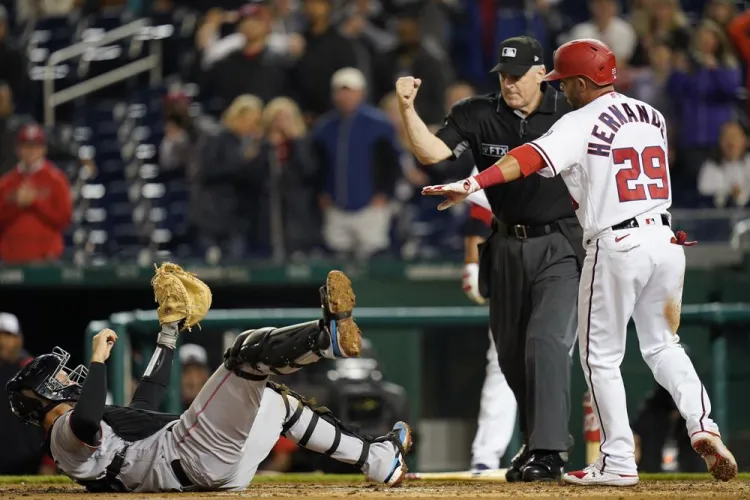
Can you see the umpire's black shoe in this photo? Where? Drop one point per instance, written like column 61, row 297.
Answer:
column 543, row 466
column 517, row 463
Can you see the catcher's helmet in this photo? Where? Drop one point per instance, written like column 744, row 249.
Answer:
column 43, row 384
column 585, row 57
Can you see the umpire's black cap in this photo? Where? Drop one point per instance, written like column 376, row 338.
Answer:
column 516, row 55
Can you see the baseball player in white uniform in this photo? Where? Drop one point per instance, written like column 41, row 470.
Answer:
column 497, row 404
column 230, row 428
column 612, row 154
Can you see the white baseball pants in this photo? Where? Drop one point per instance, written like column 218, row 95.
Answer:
column 497, row 415
column 634, row 273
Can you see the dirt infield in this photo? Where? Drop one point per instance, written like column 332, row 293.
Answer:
column 412, row 489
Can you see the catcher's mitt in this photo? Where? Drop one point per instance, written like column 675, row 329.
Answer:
column 180, row 295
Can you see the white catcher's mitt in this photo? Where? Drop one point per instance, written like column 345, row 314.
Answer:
column 180, row 295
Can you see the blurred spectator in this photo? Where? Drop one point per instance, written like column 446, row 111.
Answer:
column 704, row 86
column 21, row 452
column 727, row 178
column 182, row 132
column 253, row 69
column 61, row 147
column 739, row 33
column 412, row 57
column 365, row 20
column 650, row 84
column 13, row 68
column 35, row 203
column 326, row 52
column 28, row 10
column 283, row 40
column 606, row 26
column 195, row 372
column 662, row 22
column 289, row 207
column 720, row 11
column 10, row 124
column 359, row 161
column 224, row 181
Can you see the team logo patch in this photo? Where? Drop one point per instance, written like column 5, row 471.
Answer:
column 494, row 150
column 509, row 52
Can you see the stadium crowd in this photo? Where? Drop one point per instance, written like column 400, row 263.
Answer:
column 275, row 131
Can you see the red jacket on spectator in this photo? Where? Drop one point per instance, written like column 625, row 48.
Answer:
column 34, row 232
column 739, row 33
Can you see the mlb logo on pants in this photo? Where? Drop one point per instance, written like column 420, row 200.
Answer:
column 650, row 220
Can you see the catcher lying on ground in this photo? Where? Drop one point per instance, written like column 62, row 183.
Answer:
column 218, row 443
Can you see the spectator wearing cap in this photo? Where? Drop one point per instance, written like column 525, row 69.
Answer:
column 13, row 65
column 21, row 452
column 195, row 372
column 326, row 51
column 35, row 203
column 284, row 40
column 358, row 158
column 253, row 69
column 606, row 26
column 414, row 58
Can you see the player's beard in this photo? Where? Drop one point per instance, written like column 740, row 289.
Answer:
column 574, row 99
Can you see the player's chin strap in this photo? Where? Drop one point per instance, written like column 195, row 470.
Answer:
column 303, row 419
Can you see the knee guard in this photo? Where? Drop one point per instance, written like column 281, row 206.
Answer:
column 259, row 353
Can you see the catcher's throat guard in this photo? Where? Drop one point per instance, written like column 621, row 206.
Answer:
column 43, row 384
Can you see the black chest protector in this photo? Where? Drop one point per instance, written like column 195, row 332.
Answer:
column 133, row 424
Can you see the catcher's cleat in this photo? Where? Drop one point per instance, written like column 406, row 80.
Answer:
column 401, row 438
column 720, row 461
column 182, row 297
column 337, row 300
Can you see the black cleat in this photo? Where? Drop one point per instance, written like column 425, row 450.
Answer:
column 514, row 474
column 543, row 466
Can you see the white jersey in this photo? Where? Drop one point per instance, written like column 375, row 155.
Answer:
column 613, row 156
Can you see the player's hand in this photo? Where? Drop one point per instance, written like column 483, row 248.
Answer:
column 103, row 343
column 455, row 192
column 406, row 90
column 471, row 283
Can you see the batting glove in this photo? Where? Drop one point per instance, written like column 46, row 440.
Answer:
column 471, row 283
column 455, row 192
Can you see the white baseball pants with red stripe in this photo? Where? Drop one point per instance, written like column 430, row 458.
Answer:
column 634, row 273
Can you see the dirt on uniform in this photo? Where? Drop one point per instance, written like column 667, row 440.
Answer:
column 413, row 489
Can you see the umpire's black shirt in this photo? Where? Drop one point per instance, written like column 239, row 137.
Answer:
column 488, row 126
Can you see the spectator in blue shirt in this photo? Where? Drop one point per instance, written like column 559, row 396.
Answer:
column 704, row 87
column 358, row 157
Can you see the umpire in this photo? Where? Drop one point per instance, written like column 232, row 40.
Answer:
column 530, row 263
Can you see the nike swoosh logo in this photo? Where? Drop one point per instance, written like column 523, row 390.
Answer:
column 620, row 238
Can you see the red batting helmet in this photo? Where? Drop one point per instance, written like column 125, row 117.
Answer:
column 586, row 57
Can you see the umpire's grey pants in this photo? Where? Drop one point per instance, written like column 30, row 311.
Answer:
column 533, row 291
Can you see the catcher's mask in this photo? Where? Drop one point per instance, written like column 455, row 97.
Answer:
column 43, row 384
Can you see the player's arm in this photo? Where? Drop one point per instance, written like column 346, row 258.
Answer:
column 153, row 386
column 559, row 149
column 85, row 420
column 427, row 147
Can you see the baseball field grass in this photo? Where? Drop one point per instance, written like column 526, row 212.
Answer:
column 320, row 486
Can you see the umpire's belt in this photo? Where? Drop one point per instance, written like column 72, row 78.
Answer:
column 523, row 232
column 632, row 223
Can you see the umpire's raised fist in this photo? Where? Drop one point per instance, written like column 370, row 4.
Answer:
column 406, row 90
